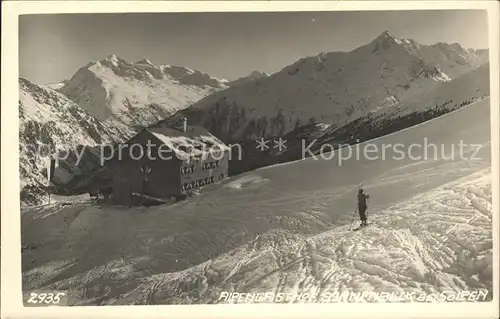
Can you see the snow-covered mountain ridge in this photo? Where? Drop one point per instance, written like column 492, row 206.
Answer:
column 136, row 94
column 333, row 88
column 50, row 122
column 255, row 75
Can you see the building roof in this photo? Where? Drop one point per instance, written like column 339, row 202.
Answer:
column 196, row 141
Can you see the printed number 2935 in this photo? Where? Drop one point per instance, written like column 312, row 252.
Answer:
column 48, row 298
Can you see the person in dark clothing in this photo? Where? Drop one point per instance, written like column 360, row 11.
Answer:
column 362, row 206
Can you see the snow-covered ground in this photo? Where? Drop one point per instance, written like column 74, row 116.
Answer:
column 286, row 229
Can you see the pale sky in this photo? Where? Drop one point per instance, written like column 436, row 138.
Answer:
column 225, row 45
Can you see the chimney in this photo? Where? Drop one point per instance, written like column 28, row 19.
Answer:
column 184, row 125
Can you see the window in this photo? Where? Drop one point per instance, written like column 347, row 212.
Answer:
column 188, row 169
column 221, row 176
column 209, row 143
column 216, row 153
column 210, row 165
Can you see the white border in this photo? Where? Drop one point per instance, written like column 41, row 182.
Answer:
column 11, row 305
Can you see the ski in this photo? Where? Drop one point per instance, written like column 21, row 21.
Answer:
column 358, row 228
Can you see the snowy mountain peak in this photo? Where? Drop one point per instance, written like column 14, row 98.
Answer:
column 258, row 74
column 458, row 46
column 451, row 47
column 57, row 85
column 135, row 95
column 387, row 40
column 333, row 87
column 386, row 35
column 145, row 62
column 255, row 75
column 113, row 59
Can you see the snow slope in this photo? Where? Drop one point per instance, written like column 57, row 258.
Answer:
column 453, row 59
column 56, row 86
column 136, row 94
column 255, row 75
column 333, row 88
column 449, row 249
column 285, row 229
column 473, row 85
column 49, row 121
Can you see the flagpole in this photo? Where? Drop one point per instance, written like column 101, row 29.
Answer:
column 49, row 172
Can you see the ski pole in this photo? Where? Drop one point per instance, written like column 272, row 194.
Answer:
column 353, row 215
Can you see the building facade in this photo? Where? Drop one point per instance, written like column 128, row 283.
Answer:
column 167, row 161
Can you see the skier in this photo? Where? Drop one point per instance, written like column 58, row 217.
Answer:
column 362, row 206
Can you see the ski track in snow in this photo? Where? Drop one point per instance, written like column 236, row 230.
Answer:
column 438, row 241
column 276, row 231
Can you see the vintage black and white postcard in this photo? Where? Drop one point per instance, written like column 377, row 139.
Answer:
column 250, row 159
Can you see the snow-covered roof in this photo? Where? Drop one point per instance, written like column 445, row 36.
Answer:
column 196, row 141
